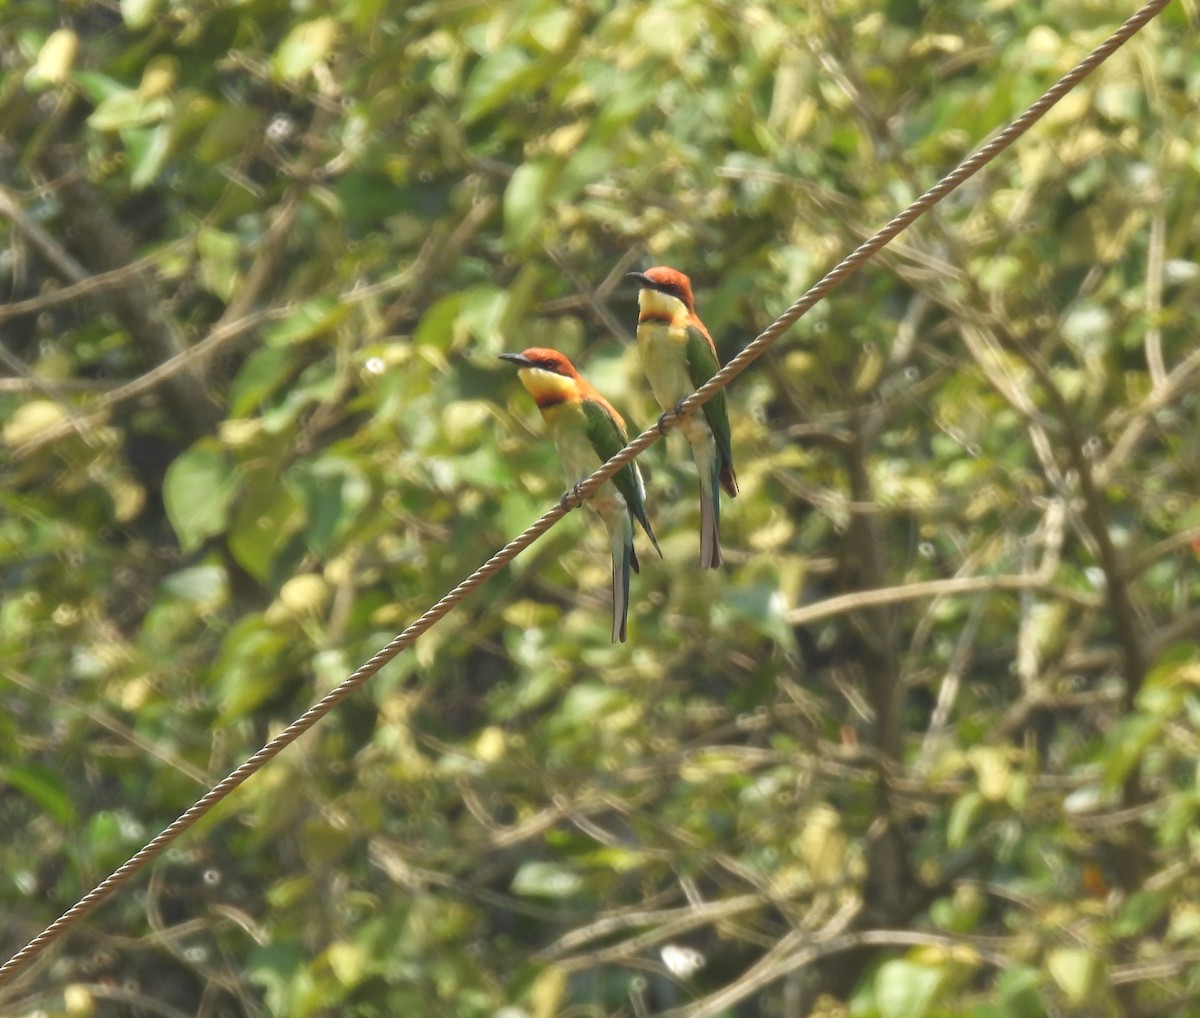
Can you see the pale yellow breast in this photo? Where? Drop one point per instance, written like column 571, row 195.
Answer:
column 661, row 348
column 579, row 459
column 566, row 424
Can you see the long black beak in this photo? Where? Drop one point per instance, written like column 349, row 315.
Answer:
column 642, row 278
column 518, row 359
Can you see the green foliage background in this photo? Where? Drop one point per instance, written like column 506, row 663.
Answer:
column 974, row 795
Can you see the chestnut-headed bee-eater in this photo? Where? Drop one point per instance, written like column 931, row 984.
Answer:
column 588, row 431
column 678, row 356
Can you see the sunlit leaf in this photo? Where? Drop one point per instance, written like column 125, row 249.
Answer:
column 129, row 109
column 198, row 489
column 546, row 880
column 308, row 321
column 57, row 56
column 246, row 668
column 205, row 585
column 264, row 372
column 495, row 78
column 307, row 45
column 962, row 818
column 137, row 14
column 148, row 151
column 30, row 420
column 1075, row 970
column 266, row 517
column 904, row 989
column 525, row 198
column 219, row 253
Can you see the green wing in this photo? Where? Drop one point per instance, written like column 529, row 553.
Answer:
column 702, row 365
column 608, row 439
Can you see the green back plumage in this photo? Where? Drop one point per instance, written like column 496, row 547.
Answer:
column 608, row 439
column 702, row 365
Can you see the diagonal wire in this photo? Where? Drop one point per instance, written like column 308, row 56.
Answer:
column 832, row 279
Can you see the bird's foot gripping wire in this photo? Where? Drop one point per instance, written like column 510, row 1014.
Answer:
column 572, row 498
column 676, row 411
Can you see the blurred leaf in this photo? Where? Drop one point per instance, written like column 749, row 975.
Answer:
column 962, row 818
column 30, row 419
column 1019, row 988
column 279, row 969
column 229, row 133
column 148, row 152
column 334, row 490
column 904, row 989
column 961, row 912
column 586, row 702
column 139, row 14
column 548, row 992
column 98, row 87
column 546, row 880
column 311, row 319
column 1141, row 912
column 129, row 109
column 351, row 963
column 247, row 668
column 439, row 323
column 265, row 371
column 57, row 56
column 762, row 607
column 306, row 45
column 1075, row 970
column 108, row 838
column 43, row 787
column 219, row 253
column 369, row 197
column 317, row 383
column 553, row 27
column 1127, row 742
column 482, row 311
column 494, row 79
column 525, row 199
column 266, row 517
column 197, row 490
column 993, row 768
column 204, row 585
column 1179, row 665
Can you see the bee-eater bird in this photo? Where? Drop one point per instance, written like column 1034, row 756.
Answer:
column 678, row 356
column 588, row 431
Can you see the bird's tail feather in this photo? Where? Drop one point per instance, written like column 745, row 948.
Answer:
column 638, row 509
column 710, row 518
column 649, row 533
column 624, row 561
column 728, row 479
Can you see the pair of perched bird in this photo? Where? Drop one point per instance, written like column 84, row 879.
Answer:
column 678, row 357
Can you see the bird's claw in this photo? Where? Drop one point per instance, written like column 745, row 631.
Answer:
column 572, row 498
column 676, row 411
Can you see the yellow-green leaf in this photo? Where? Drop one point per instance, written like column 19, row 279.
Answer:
column 305, row 46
